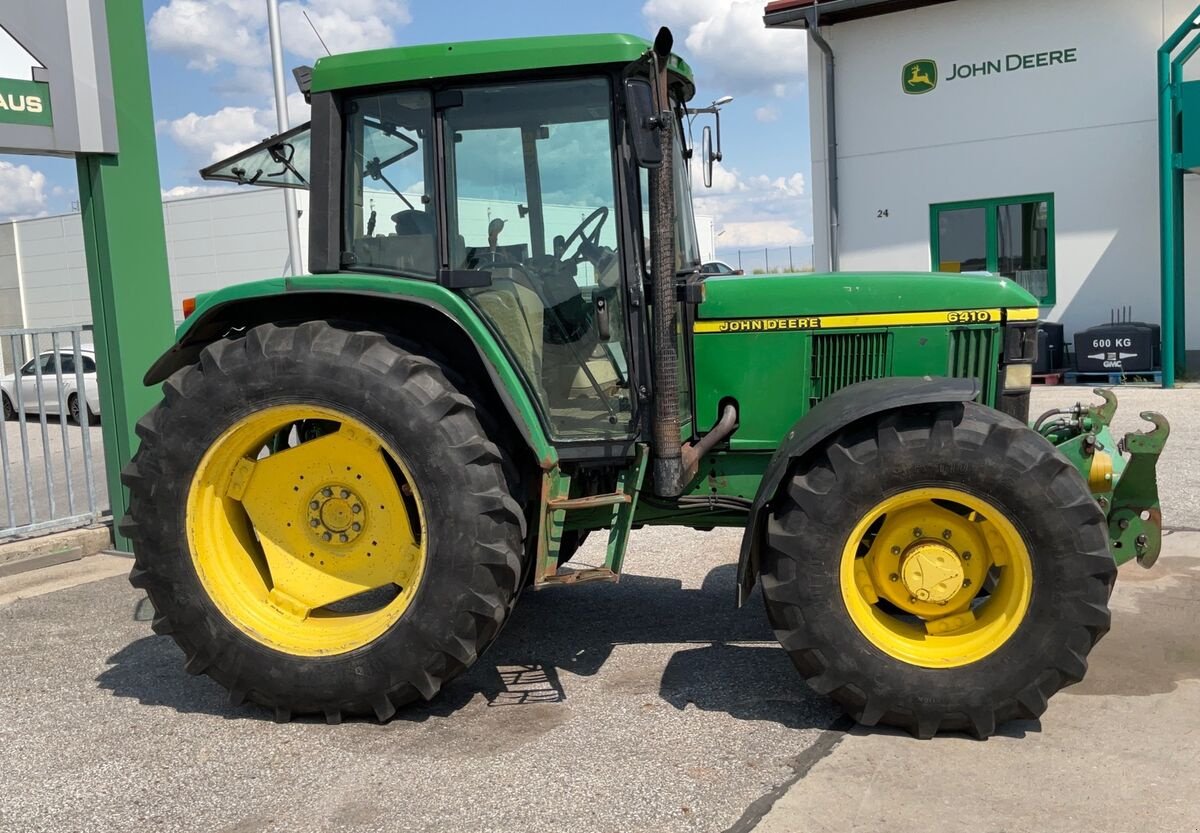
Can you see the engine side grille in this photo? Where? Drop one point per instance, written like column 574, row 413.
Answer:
column 841, row 359
column 973, row 356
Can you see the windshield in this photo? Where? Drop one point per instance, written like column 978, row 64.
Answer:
column 391, row 220
column 532, row 201
column 281, row 161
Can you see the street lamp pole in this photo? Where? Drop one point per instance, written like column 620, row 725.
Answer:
column 281, row 115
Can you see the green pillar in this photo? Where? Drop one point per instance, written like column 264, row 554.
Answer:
column 123, row 234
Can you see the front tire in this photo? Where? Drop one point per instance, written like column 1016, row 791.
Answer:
column 294, row 467
column 941, row 569
column 9, row 411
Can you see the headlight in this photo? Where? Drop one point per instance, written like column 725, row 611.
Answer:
column 1018, row 377
column 1020, row 343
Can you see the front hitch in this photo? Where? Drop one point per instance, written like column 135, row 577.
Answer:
column 1127, row 489
column 1135, row 517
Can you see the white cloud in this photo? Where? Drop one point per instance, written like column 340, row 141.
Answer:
column 212, row 33
column 767, row 114
column 22, row 191
column 221, row 134
column 730, row 45
column 762, row 234
column 182, row 192
column 756, row 211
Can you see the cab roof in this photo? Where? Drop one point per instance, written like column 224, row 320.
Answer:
column 484, row 57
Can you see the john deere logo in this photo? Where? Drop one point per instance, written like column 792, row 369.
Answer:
column 919, row 76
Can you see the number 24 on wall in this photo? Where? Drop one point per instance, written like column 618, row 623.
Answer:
column 882, row 214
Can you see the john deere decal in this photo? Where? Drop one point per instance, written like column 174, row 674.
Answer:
column 919, row 76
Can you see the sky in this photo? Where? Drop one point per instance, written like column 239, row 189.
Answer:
column 210, row 77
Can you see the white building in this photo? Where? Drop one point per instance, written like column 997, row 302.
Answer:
column 1013, row 136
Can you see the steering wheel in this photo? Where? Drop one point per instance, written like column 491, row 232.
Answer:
column 581, row 231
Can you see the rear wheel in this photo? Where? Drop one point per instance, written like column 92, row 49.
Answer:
column 943, row 569
column 9, row 411
column 321, row 522
column 73, row 410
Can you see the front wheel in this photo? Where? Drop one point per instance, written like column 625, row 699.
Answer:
column 9, row 411
column 321, row 521
column 941, row 569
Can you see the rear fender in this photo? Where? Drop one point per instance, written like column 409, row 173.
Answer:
column 418, row 310
column 848, row 405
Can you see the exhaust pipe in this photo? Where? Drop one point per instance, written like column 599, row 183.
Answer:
column 668, row 455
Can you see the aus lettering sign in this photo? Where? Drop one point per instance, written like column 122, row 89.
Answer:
column 55, row 78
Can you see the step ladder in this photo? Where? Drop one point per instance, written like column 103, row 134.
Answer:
column 557, row 505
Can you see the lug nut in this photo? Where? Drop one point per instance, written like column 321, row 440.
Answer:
column 966, row 556
column 912, row 599
column 327, row 537
column 356, row 526
column 966, row 582
column 895, row 550
column 327, row 492
column 917, row 533
column 314, row 523
column 893, row 577
column 356, row 508
column 345, row 493
column 314, row 505
column 343, row 537
column 946, row 534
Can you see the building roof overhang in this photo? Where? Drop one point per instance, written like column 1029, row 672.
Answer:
column 796, row 14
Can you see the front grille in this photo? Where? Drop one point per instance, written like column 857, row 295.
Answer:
column 973, row 356
column 841, row 359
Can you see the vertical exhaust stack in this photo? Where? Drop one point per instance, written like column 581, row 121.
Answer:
column 668, row 455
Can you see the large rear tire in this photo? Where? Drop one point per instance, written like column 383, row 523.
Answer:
column 940, row 569
column 321, row 521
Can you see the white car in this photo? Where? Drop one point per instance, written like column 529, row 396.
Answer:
column 29, row 393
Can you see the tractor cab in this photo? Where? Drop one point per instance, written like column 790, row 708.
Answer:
column 524, row 195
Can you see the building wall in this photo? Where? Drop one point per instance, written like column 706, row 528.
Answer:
column 1085, row 131
column 12, row 315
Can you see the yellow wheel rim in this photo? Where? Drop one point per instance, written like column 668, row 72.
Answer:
column 306, row 530
column 936, row 577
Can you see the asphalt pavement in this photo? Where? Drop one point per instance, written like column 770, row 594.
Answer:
column 650, row 705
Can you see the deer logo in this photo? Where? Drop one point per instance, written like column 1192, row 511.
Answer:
column 919, row 76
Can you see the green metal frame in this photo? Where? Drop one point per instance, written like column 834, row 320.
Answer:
column 1170, row 178
column 990, row 206
column 125, row 244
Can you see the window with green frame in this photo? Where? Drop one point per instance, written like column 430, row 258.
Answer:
column 1009, row 236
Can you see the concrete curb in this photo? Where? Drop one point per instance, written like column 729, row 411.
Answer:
column 58, row 548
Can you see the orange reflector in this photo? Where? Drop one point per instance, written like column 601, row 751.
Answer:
column 189, row 306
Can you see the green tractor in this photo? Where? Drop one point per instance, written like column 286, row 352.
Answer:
column 505, row 344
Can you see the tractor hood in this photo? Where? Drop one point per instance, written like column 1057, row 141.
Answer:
column 857, row 293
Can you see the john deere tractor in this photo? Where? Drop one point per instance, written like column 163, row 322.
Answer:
column 506, row 345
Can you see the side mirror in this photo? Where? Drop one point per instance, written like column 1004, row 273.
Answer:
column 639, row 106
column 707, row 156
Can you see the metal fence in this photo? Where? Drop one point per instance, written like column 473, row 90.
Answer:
column 782, row 259
column 48, row 380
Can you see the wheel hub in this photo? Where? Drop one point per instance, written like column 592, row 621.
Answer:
column 335, row 514
column 932, row 572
